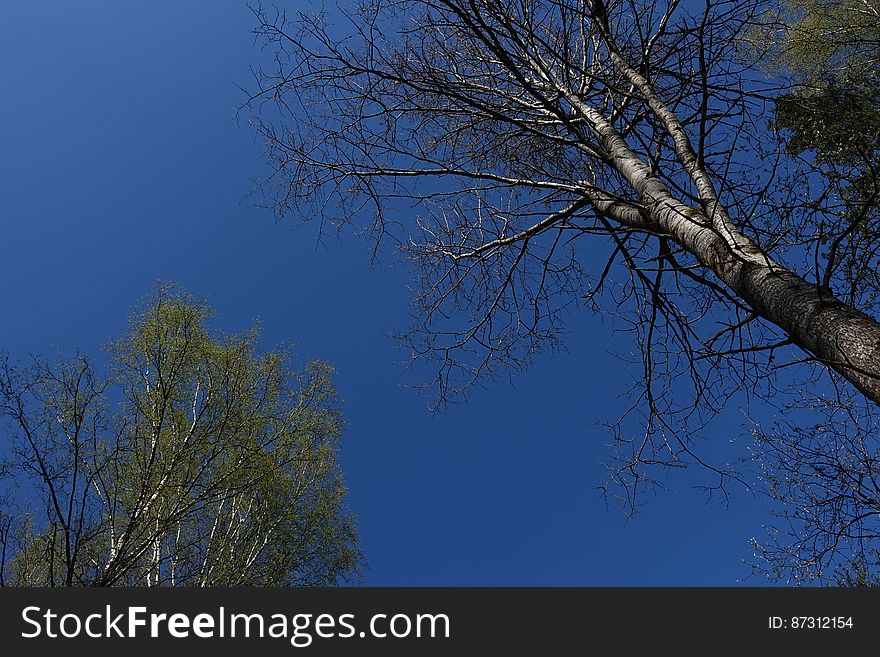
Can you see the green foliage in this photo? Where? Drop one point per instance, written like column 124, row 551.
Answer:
column 199, row 461
column 839, row 123
column 831, row 48
column 823, row 38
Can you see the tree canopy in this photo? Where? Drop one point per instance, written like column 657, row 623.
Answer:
column 828, row 120
column 632, row 156
column 196, row 460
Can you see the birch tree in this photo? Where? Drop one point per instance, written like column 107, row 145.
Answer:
column 196, row 461
column 627, row 156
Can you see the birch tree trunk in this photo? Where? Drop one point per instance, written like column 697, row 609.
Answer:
column 840, row 336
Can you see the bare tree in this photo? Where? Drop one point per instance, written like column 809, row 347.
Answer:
column 489, row 137
column 825, row 479
column 196, row 462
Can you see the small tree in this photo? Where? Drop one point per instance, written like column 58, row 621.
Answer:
column 197, row 461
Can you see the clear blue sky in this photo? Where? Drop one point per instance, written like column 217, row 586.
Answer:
column 121, row 164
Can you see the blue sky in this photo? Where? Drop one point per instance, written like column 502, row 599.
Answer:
column 121, row 163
